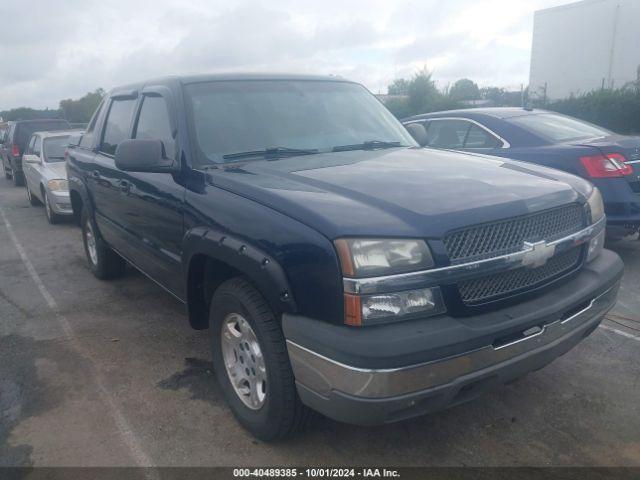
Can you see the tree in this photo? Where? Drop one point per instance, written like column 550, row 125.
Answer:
column 400, row 86
column 81, row 110
column 417, row 95
column 25, row 113
column 422, row 92
column 464, row 89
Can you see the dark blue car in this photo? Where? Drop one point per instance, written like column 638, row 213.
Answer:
column 338, row 266
column 608, row 160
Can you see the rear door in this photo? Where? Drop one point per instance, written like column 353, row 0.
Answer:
column 105, row 180
column 152, row 208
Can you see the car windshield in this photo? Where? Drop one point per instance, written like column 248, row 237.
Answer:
column 558, row 128
column 54, row 148
column 262, row 118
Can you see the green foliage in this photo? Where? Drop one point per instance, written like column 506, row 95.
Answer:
column 25, row 113
column 81, row 110
column 617, row 110
column 418, row 95
column 464, row 89
column 400, row 86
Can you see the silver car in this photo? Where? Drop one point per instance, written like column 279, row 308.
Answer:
column 45, row 174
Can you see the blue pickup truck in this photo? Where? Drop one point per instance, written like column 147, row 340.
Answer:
column 339, row 267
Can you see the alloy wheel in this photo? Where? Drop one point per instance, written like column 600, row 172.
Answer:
column 243, row 361
column 90, row 239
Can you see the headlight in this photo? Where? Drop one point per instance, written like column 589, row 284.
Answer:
column 392, row 306
column 596, row 206
column 58, row 185
column 378, row 257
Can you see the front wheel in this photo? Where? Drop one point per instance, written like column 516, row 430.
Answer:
column 52, row 217
column 251, row 362
column 103, row 262
column 33, row 201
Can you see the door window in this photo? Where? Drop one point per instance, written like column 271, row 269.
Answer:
column 447, row 133
column 459, row 134
column 87, row 137
column 37, row 146
column 32, row 142
column 479, row 138
column 116, row 127
column 154, row 124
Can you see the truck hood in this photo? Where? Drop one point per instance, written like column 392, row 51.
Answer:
column 399, row 192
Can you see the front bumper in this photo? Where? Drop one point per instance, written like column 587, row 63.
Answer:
column 60, row 203
column 361, row 380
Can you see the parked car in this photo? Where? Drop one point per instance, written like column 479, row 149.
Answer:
column 608, row 160
column 16, row 140
column 338, row 267
column 43, row 165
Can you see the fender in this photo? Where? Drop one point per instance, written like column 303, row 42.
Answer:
column 259, row 267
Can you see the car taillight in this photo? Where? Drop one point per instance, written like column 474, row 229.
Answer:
column 15, row 150
column 606, row 166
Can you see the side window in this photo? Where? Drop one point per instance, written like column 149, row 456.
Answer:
column 154, row 123
column 30, row 148
column 116, row 127
column 480, row 138
column 87, row 137
column 37, row 146
column 447, row 133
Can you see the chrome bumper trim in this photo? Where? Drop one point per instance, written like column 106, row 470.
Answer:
column 465, row 271
column 323, row 375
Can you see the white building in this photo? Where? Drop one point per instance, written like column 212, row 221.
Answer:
column 584, row 46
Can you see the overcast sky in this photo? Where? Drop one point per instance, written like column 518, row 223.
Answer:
column 63, row 49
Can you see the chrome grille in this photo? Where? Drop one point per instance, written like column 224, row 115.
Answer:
column 485, row 288
column 508, row 236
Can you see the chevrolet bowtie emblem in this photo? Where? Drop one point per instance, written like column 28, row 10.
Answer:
column 536, row 254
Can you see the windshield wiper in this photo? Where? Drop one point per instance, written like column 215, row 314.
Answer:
column 272, row 152
column 368, row 145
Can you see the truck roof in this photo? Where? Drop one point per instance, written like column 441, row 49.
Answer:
column 219, row 77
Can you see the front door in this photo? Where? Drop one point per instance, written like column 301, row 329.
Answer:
column 106, row 181
column 153, row 205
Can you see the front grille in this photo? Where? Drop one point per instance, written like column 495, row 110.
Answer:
column 485, row 288
column 508, row 236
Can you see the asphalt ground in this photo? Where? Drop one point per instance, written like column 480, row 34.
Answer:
column 99, row 373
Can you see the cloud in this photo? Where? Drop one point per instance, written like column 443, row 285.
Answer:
column 60, row 50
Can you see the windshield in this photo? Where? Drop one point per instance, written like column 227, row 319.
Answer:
column 232, row 117
column 54, row 148
column 558, row 128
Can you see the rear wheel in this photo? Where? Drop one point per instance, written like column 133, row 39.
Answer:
column 103, row 262
column 251, row 362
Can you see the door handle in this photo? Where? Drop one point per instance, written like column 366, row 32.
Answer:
column 125, row 186
column 95, row 174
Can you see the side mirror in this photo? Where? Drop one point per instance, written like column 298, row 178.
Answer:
column 31, row 159
column 138, row 155
column 418, row 132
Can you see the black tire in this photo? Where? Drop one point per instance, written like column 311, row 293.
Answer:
column 32, row 200
column 52, row 217
column 108, row 264
column 7, row 173
column 18, row 179
column 282, row 412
